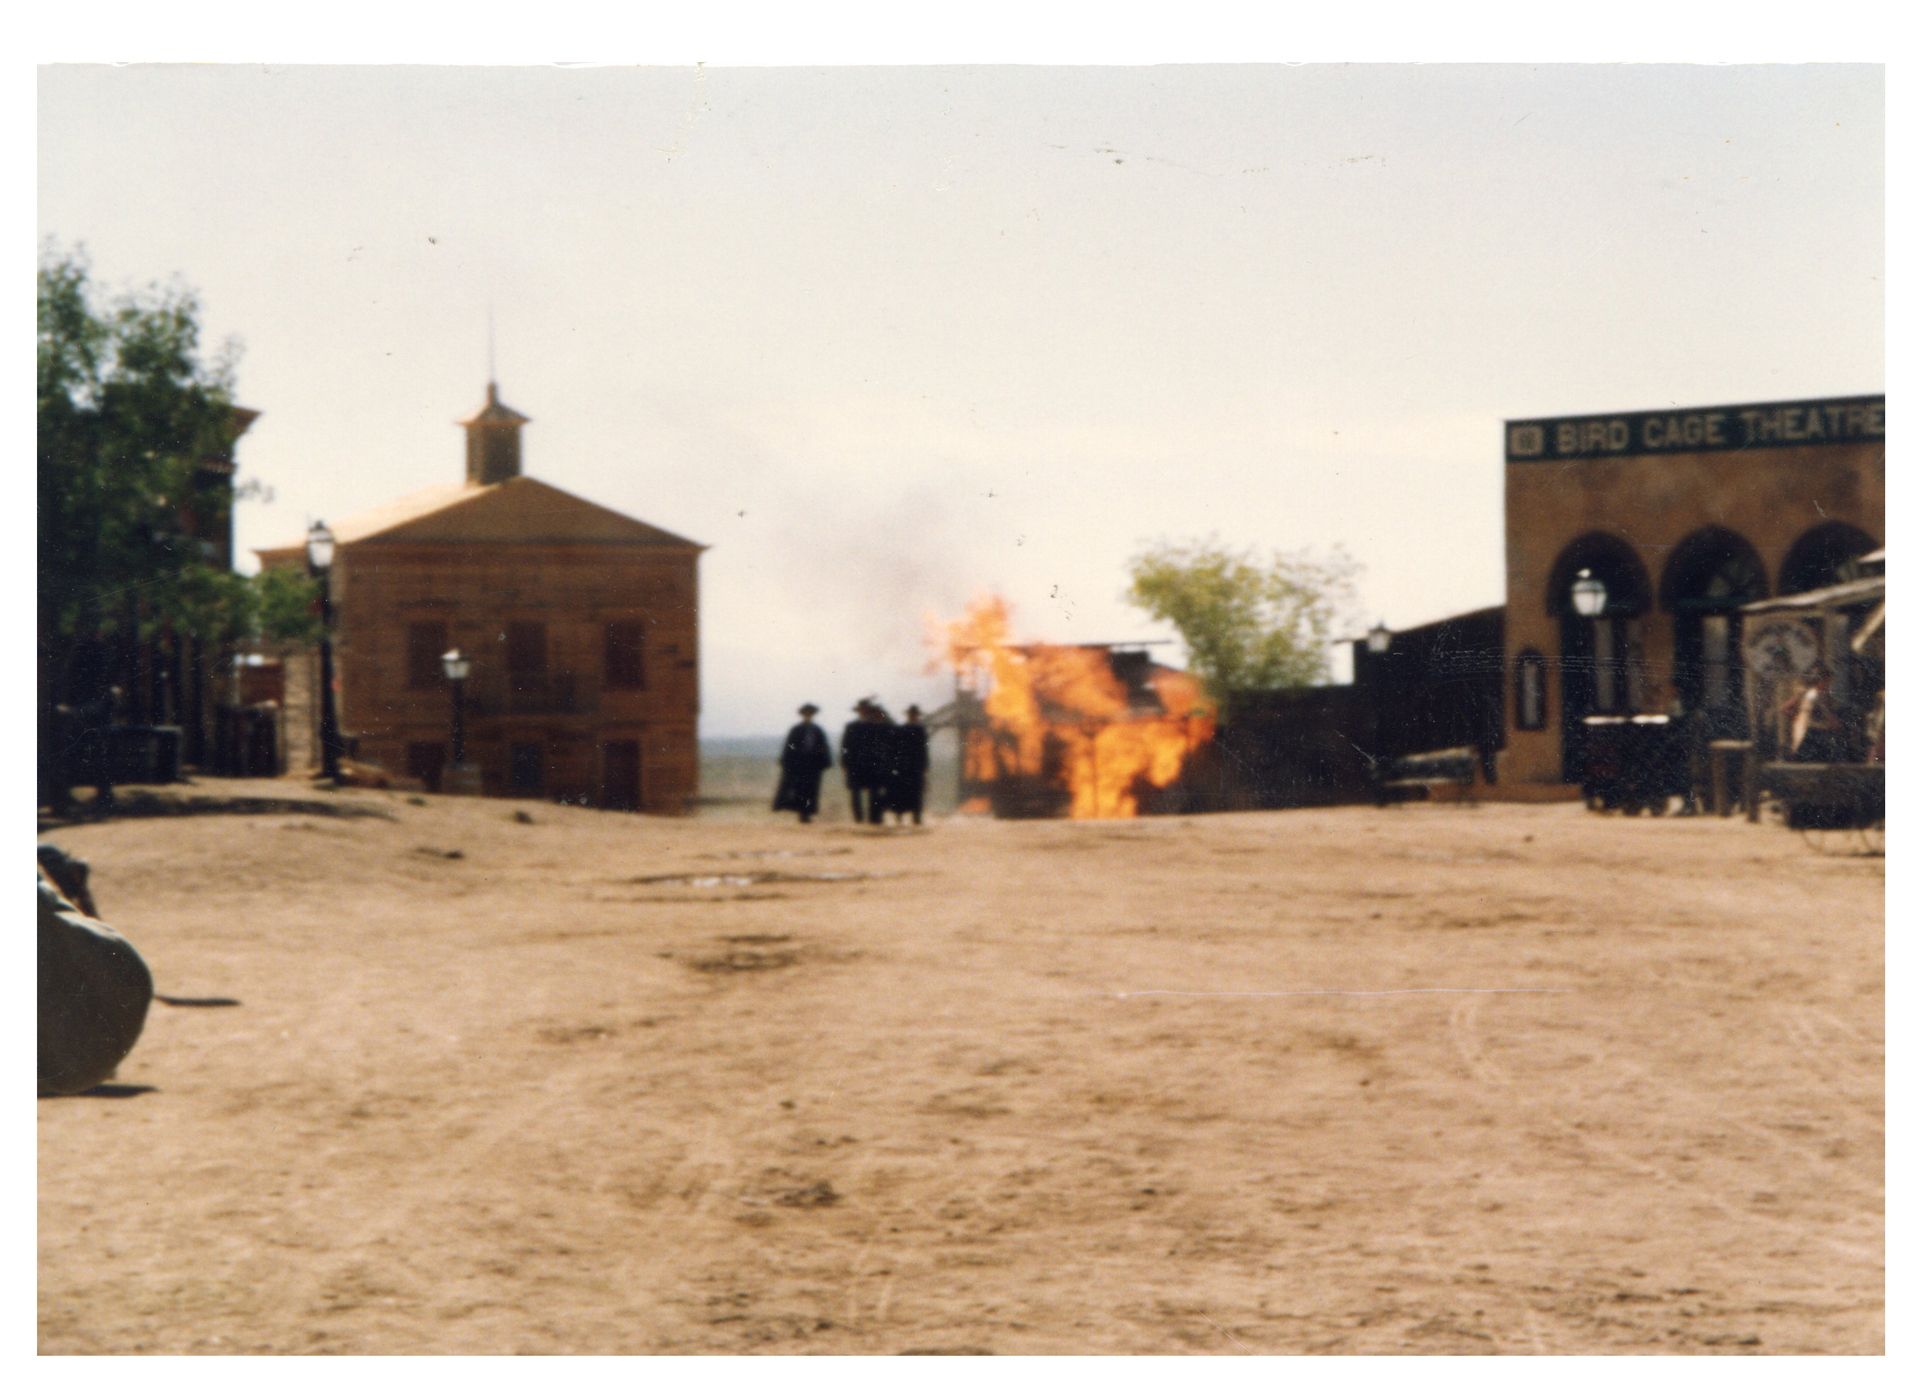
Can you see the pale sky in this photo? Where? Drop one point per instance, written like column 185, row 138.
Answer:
column 887, row 338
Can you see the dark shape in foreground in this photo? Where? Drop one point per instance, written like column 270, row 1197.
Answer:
column 95, row 990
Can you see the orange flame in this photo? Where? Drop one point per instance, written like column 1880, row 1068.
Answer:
column 1061, row 725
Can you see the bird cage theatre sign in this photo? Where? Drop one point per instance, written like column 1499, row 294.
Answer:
column 1830, row 422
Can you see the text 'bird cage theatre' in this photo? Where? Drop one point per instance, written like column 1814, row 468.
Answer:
column 1649, row 552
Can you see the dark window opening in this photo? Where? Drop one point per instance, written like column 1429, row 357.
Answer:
column 1709, row 577
column 526, row 650
column 426, row 642
column 1821, row 557
column 526, row 772
column 425, row 762
column 626, row 654
column 621, row 787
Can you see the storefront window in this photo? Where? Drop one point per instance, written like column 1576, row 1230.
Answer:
column 1606, row 669
column 1716, row 679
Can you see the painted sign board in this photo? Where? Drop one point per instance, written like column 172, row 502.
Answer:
column 1782, row 649
column 1690, row 430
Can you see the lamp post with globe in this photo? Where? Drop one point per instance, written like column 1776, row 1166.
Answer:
column 320, row 548
column 457, row 666
column 1379, row 663
column 461, row 778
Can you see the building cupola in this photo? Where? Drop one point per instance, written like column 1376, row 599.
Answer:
column 493, row 441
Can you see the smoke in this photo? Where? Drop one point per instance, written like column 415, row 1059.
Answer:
column 872, row 571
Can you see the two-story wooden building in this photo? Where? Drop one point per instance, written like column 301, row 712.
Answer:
column 582, row 626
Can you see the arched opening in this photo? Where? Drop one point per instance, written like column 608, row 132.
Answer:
column 1599, row 651
column 1817, row 558
column 1709, row 576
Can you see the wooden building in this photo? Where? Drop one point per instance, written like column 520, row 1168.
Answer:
column 1436, row 687
column 582, row 626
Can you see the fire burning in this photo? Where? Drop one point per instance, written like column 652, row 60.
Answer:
column 1082, row 730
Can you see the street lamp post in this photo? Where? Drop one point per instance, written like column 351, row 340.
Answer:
column 460, row 778
column 1590, row 604
column 320, row 564
column 1589, row 597
column 1379, row 643
column 457, row 665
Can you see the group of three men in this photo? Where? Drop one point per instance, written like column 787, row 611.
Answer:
column 885, row 763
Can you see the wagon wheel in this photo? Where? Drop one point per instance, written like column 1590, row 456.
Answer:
column 1873, row 838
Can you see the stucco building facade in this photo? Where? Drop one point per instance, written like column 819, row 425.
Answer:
column 582, row 626
column 1682, row 516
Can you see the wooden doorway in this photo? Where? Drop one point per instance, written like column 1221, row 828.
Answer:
column 425, row 762
column 620, row 786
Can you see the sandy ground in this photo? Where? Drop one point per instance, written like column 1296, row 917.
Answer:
column 1418, row 1080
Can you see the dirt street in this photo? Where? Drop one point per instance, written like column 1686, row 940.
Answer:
column 1418, row 1080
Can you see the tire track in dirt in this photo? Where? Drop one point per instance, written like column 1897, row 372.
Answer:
column 1804, row 1022
column 1479, row 1065
column 376, row 1235
column 1462, row 1024
column 1822, row 1054
column 1841, row 1027
column 1703, row 1105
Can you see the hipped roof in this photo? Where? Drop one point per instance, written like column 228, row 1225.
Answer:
column 518, row 510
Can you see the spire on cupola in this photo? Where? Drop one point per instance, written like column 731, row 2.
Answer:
column 493, row 441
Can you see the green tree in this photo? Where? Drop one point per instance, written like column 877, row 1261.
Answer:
column 1249, row 622
column 283, row 607
column 129, row 410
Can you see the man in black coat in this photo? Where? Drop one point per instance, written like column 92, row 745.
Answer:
column 907, row 772
column 804, row 758
column 863, row 759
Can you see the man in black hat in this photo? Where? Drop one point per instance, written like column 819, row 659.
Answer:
column 863, row 759
column 803, row 759
column 907, row 771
